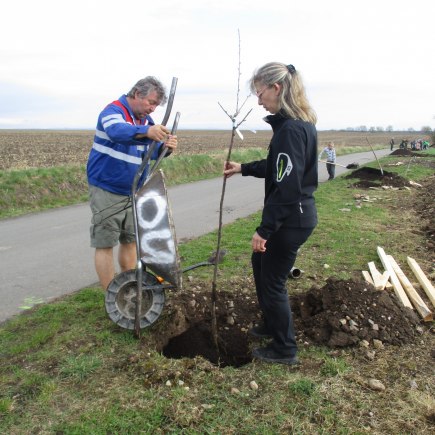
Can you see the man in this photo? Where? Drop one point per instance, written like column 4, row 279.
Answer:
column 330, row 159
column 392, row 143
column 124, row 132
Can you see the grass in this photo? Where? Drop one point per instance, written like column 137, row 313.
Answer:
column 36, row 189
column 341, row 239
column 65, row 368
column 29, row 190
column 24, row 191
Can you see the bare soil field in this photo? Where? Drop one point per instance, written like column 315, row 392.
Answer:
column 21, row 149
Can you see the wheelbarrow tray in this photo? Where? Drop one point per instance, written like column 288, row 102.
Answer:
column 156, row 231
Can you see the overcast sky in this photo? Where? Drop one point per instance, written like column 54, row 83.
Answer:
column 364, row 62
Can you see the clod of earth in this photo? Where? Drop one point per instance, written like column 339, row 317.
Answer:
column 343, row 313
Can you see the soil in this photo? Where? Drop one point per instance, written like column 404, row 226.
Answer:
column 406, row 152
column 372, row 177
column 341, row 314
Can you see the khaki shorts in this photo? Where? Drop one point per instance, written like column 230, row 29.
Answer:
column 112, row 219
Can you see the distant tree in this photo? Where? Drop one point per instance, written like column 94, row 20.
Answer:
column 379, row 128
column 410, row 129
column 363, row 128
column 372, row 129
column 389, row 128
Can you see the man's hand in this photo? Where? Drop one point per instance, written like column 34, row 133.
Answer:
column 171, row 142
column 158, row 133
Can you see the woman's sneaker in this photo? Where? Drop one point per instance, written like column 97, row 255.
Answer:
column 260, row 331
column 268, row 354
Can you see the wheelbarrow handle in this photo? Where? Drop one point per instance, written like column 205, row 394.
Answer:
column 151, row 148
column 165, row 149
column 140, row 171
column 331, row 163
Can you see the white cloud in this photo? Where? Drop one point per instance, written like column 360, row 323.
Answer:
column 363, row 62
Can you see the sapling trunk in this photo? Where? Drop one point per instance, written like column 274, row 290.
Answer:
column 214, row 292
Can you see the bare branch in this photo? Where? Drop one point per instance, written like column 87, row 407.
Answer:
column 229, row 116
column 244, row 119
column 238, row 79
column 246, row 99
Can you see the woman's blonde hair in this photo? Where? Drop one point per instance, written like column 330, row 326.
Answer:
column 293, row 101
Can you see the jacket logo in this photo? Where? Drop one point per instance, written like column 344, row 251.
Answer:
column 284, row 166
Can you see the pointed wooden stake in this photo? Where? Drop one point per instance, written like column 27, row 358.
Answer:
column 415, row 298
column 367, row 277
column 397, row 287
column 423, row 280
column 380, row 279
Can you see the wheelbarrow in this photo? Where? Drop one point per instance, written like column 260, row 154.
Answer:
column 135, row 298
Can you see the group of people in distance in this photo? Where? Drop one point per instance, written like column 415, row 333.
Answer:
column 415, row 145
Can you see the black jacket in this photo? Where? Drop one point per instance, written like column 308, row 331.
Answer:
column 290, row 172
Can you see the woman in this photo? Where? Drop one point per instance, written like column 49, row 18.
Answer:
column 289, row 214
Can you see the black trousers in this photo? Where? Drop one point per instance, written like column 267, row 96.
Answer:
column 271, row 270
column 331, row 170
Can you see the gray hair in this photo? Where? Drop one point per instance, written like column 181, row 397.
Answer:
column 145, row 86
column 293, row 101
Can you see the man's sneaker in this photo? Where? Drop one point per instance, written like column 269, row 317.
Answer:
column 268, row 354
column 260, row 331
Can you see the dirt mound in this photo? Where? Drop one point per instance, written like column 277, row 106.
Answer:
column 340, row 314
column 406, row 152
column 424, row 206
column 402, row 152
column 372, row 177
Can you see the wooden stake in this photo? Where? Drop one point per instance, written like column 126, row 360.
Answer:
column 423, row 280
column 367, row 277
column 388, row 285
column 380, row 279
column 418, row 302
column 376, row 157
column 397, row 287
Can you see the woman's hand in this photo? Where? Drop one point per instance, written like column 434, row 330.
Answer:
column 231, row 168
column 258, row 243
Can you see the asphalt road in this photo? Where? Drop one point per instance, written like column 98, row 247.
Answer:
column 47, row 255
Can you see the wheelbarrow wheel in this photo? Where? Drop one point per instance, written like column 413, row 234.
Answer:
column 120, row 299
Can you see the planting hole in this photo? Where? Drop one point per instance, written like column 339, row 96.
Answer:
column 197, row 340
